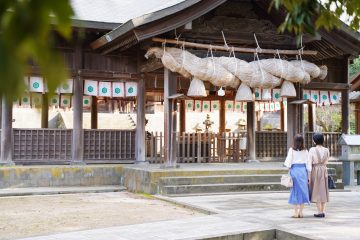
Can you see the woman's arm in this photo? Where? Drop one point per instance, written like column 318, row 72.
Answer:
column 288, row 159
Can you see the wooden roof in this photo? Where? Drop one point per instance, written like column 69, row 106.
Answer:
column 337, row 43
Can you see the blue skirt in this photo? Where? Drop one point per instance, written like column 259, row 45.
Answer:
column 299, row 193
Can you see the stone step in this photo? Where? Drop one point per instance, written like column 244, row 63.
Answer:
column 222, row 187
column 7, row 192
column 196, row 180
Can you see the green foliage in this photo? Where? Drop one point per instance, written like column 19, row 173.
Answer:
column 354, row 68
column 26, row 33
column 329, row 118
column 308, row 15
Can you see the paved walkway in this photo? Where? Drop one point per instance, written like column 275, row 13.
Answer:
column 240, row 213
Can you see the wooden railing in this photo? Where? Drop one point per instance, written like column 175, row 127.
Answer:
column 100, row 145
column 42, row 145
column 199, row 147
column 53, row 146
column 270, row 145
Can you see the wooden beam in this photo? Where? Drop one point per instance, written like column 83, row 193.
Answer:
column 236, row 49
column 327, row 86
column 151, row 65
column 140, row 123
column 282, row 117
column 6, row 155
column 251, row 141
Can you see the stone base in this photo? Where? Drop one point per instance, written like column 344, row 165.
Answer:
column 7, row 164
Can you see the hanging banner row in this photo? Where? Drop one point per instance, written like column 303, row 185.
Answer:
column 322, row 98
column 35, row 100
column 91, row 87
column 232, row 106
column 318, row 97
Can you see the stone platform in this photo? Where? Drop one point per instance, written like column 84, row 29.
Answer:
column 188, row 179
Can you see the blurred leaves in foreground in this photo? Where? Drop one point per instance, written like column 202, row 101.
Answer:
column 27, row 30
column 309, row 15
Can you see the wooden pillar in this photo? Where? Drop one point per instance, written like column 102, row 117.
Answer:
column 140, row 123
column 6, row 156
column 345, row 111
column 45, row 111
column 94, row 113
column 77, row 147
column 251, row 141
column 222, row 117
column 292, row 123
column 311, row 117
column 357, row 117
column 170, row 88
column 182, row 116
column 282, row 117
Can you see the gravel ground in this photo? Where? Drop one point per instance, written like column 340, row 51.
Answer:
column 45, row 214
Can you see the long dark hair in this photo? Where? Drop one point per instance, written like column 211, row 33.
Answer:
column 298, row 142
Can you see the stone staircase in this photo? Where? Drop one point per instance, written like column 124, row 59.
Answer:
column 218, row 184
column 215, row 183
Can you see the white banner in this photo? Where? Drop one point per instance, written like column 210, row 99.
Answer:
column 314, row 96
column 65, row 100
column 335, row 97
column 54, row 101
column 118, row 89
column 36, row 99
column 86, row 101
column 324, row 98
column 272, row 107
column 189, row 105
column 215, row 106
column 257, row 93
column 238, row 107
column 25, row 100
column 229, row 105
column 262, row 106
column 131, row 89
column 198, row 105
column 276, row 95
column 66, row 87
column 244, row 106
column 36, row 84
column 90, row 88
column 267, row 107
column 206, row 106
column 105, row 89
column 277, row 106
column 306, row 95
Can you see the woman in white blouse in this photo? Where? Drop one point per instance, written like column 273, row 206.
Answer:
column 299, row 166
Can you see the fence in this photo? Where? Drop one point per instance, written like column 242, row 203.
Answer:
column 211, row 147
column 199, row 147
column 53, row 146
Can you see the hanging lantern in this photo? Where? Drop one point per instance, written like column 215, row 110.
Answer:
column 287, row 89
column 221, row 92
column 266, row 94
column 197, row 88
column 244, row 93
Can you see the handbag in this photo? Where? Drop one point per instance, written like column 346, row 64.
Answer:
column 331, row 183
column 286, row 180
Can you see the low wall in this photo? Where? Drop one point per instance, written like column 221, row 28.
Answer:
column 56, row 176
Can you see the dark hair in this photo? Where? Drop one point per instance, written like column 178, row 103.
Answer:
column 298, row 142
column 318, row 138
